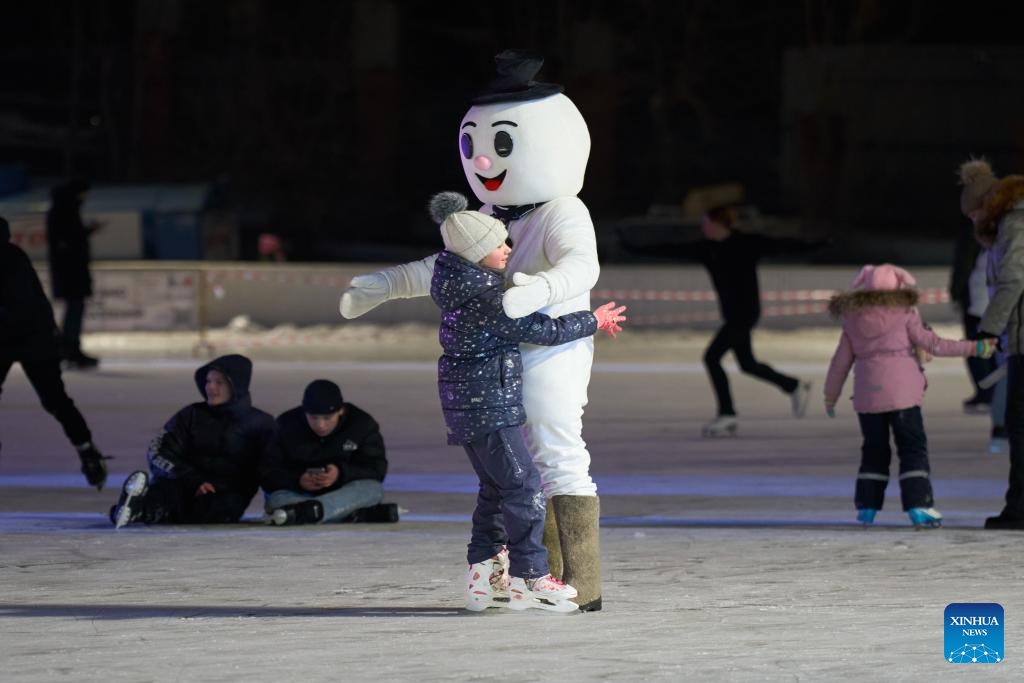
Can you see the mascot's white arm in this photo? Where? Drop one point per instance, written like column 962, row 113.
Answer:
column 571, row 246
column 406, row 281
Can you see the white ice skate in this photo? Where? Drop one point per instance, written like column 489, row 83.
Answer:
column 723, row 425
column 134, row 487
column 487, row 583
column 546, row 592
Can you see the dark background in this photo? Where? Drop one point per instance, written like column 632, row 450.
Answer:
column 331, row 123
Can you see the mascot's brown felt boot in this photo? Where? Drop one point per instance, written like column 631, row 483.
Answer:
column 552, row 542
column 579, row 519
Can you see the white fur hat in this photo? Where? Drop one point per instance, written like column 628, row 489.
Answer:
column 472, row 235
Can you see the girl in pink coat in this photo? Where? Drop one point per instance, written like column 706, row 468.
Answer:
column 881, row 331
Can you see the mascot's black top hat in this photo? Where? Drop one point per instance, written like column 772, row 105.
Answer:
column 514, row 82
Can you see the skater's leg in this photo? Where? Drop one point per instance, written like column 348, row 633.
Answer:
column 278, row 499
column 579, row 520
column 555, row 383
column 1015, row 427
column 554, row 394
column 713, row 364
column 912, row 450
column 355, row 495
column 744, row 352
column 488, row 536
column 508, row 465
column 876, row 455
column 44, row 375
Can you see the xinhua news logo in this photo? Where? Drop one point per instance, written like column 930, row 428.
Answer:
column 974, row 633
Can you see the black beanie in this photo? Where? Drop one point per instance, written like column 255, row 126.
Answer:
column 322, row 397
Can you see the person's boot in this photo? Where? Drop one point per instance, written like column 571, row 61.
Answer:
column 579, row 527
column 552, row 543
column 93, row 467
column 306, row 512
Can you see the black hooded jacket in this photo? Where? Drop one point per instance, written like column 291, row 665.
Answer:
column 221, row 444
column 355, row 447
column 27, row 327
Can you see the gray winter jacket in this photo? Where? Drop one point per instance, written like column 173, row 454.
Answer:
column 480, row 375
column 1006, row 272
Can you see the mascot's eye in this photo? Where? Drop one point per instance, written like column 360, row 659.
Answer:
column 502, row 143
column 466, row 145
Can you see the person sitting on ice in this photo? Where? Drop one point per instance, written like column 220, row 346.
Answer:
column 204, row 467
column 480, row 379
column 326, row 463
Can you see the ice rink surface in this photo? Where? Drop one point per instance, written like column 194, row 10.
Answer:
column 723, row 560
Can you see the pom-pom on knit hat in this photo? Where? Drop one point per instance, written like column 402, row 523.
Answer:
column 469, row 234
column 885, row 276
column 977, row 178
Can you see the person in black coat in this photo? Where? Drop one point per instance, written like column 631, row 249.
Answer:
column 28, row 335
column 204, row 467
column 69, row 256
column 731, row 258
column 326, row 463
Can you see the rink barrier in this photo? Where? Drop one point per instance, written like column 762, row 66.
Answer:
column 202, row 296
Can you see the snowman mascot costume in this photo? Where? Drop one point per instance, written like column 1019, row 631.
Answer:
column 524, row 148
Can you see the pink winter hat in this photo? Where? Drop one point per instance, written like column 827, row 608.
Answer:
column 885, row 276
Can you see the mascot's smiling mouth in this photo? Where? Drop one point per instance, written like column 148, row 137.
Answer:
column 494, row 183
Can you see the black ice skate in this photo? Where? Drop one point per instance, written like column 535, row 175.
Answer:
column 306, row 512
column 93, row 467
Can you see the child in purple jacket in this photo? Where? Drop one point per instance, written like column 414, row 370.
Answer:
column 881, row 331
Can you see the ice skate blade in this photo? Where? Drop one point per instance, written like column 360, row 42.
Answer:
column 728, row 432
column 134, row 487
column 482, row 604
column 560, row 606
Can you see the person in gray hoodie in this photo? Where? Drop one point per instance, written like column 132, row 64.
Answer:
column 480, row 380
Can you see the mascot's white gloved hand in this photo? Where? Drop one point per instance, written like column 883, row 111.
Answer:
column 530, row 294
column 365, row 293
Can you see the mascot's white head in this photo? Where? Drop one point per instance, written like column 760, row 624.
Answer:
column 522, row 141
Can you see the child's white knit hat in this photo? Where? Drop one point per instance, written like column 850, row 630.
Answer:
column 472, row 235
column 469, row 234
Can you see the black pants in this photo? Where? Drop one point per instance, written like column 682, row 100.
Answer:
column 1015, row 427
column 71, row 333
column 736, row 336
column 44, row 376
column 911, row 447
column 168, row 501
column 978, row 368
